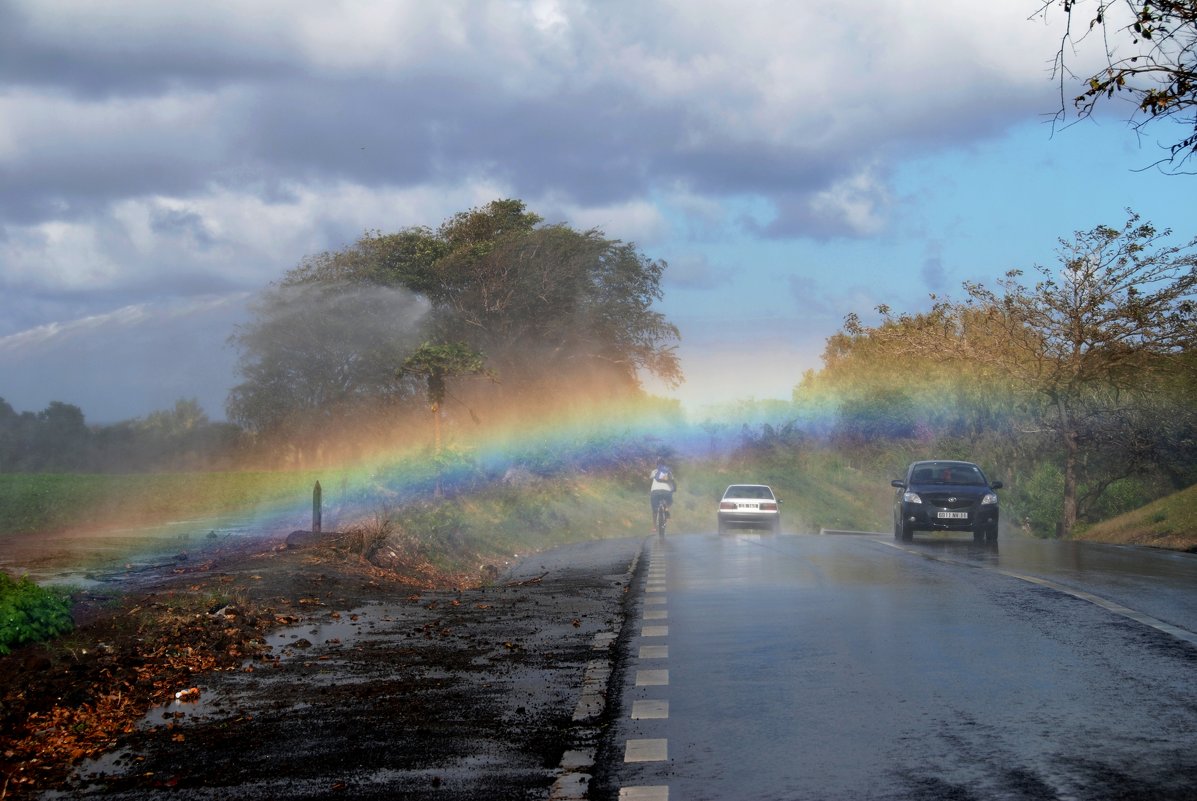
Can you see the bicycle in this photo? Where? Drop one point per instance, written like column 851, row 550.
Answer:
column 662, row 517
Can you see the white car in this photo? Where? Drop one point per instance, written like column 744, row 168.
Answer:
column 749, row 506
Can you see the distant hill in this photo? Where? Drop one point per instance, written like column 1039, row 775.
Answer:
column 1170, row 522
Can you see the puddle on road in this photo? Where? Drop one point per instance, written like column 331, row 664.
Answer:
column 93, row 558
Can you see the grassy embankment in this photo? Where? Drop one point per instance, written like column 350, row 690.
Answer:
column 819, row 491
column 530, row 515
column 53, row 502
column 1170, row 522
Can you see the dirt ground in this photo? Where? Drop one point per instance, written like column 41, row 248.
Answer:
column 268, row 672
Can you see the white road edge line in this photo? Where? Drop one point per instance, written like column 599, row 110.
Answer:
column 1108, row 605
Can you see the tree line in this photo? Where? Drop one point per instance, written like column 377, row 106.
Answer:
column 1080, row 384
column 1074, row 384
column 58, row 439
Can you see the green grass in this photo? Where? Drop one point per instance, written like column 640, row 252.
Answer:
column 1170, row 522
column 48, row 502
column 818, row 491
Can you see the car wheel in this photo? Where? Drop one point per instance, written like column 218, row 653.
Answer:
column 991, row 535
column 775, row 527
column 901, row 533
column 979, row 536
column 722, row 527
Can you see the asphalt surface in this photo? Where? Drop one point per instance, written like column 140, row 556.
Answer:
column 843, row 667
column 745, row 666
column 493, row 693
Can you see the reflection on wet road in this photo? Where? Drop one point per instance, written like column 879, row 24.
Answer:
column 840, row 667
column 1153, row 582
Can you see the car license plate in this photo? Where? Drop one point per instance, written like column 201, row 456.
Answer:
column 954, row 515
column 750, row 506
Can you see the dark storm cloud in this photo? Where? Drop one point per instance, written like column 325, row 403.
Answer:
column 185, row 223
column 96, row 67
column 591, row 145
column 78, row 166
column 262, row 118
column 586, row 102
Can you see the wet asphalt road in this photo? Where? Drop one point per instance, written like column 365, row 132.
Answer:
column 843, row 667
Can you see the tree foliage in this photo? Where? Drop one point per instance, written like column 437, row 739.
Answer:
column 435, row 364
column 319, row 357
column 536, row 298
column 1092, row 356
column 1150, row 51
column 545, row 303
column 59, row 439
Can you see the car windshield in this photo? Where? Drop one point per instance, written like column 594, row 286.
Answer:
column 947, row 473
column 758, row 493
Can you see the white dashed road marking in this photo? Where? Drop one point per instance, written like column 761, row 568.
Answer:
column 652, row 678
column 650, row 710
column 646, row 751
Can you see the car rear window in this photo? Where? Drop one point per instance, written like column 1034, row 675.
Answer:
column 758, row 493
column 948, row 473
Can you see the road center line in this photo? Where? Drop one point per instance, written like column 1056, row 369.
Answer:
column 651, row 709
column 651, row 750
column 652, row 678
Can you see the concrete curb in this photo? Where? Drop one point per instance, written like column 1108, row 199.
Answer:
column 574, row 772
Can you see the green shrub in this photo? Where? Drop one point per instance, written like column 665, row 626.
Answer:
column 30, row 613
column 1037, row 501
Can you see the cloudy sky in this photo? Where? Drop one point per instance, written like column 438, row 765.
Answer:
column 792, row 161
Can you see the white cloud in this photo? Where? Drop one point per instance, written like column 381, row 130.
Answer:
column 857, row 203
column 152, row 150
column 639, row 221
column 252, row 241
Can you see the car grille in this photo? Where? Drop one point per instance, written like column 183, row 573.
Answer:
column 946, row 500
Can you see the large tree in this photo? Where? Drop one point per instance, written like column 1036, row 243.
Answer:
column 538, row 299
column 318, row 358
column 545, row 303
column 436, row 364
column 1092, row 346
column 1150, row 57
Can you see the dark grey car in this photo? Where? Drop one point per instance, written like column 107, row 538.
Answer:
column 945, row 495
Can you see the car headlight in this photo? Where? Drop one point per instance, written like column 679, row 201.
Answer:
column 911, row 497
column 990, row 498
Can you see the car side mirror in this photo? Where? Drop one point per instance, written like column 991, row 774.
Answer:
column 995, row 485
column 898, row 483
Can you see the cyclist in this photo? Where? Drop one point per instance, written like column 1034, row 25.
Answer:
column 662, row 488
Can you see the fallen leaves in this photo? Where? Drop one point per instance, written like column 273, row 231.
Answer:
column 111, row 687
